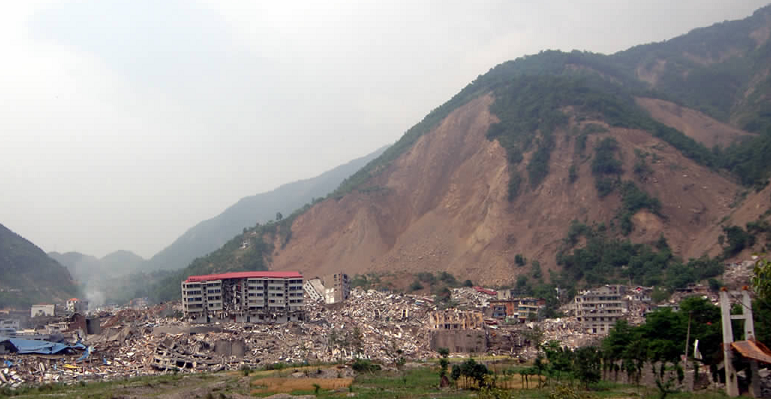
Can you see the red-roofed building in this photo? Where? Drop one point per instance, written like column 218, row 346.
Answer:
column 252, row 297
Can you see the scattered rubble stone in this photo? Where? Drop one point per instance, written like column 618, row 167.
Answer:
column 132, row 342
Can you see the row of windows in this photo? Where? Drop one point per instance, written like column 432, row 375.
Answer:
column 600, row 318
column 597, row 298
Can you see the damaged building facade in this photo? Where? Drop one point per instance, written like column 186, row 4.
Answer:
column 598, row 310
column 519, row 309
column 251, row 297
column 458, row 331
column 329, row 289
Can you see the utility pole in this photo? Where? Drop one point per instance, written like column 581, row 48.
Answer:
column 687, row 339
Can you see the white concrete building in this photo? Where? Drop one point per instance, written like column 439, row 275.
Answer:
column 250, row 297
column 314, row 289
column 599, row 309
column 43, row 309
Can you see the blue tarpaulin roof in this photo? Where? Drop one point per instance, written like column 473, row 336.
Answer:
column 36, row 346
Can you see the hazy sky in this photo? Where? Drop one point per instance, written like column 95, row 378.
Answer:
column 123, row 123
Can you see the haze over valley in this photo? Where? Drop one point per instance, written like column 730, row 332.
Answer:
column 385, row 199
column 546, row 160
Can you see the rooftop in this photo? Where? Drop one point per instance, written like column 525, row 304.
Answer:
column 262, row 274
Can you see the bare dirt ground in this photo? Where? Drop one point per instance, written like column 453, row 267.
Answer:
column 694, row 124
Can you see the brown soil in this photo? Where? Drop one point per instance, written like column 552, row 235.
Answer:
column 694, row 124
column 442, row 205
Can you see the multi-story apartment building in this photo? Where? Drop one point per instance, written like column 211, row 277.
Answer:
column 252, row 297
column 598, row 310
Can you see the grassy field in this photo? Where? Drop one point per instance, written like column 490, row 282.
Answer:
column 418, row 382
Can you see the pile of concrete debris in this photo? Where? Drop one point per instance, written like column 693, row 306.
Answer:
column 738, row 274
column 468, row 297
column 567, row 331
column 370, row 324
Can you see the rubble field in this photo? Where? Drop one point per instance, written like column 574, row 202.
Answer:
column 385, row 327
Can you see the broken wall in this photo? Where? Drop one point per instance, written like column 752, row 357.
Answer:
column 459, row 341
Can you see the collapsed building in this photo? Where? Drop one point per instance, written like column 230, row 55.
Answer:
column 329, row 289
column 459, row 331
column 251, row 297
column 75, row 305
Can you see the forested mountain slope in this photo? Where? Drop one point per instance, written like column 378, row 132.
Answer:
column 26, row 268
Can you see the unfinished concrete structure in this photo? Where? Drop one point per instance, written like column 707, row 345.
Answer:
column 452, row 319
column 251, row 297
column 598, row 310
column 459, row 331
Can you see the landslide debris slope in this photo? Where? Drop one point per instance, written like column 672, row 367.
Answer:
column 28, row 275
column 664, row 144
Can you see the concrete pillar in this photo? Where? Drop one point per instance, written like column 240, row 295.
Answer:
column 731, row 383
column 749, row 334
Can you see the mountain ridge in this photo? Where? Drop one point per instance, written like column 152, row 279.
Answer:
column 212, row 233
column 25, row 267
column 470, row 184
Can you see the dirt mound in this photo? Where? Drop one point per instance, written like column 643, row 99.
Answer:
column 442, row 205
column 694, row 124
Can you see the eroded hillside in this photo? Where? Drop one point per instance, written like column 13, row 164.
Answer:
column 599, row 167
column 443, row 205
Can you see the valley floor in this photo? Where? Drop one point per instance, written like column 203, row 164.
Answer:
column 416, row 380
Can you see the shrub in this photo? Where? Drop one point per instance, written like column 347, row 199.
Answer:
column 365, row 366
column 519, row 260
